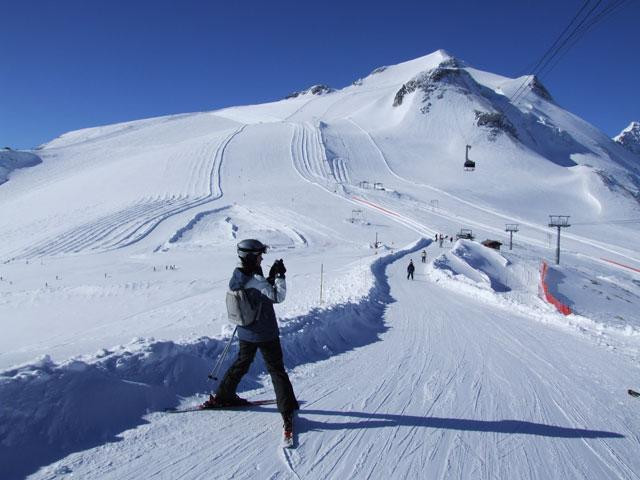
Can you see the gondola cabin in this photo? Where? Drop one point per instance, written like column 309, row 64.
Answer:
column 469, row 165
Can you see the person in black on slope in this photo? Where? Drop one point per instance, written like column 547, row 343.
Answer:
column 263, row 334
column 410, row 269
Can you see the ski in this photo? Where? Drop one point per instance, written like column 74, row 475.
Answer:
column 200, row 408
column 633, row 393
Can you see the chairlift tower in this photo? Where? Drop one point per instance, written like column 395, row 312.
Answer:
column 511, row 228
column 560, row 222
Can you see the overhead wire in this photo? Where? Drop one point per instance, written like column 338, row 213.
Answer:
column 608, row 10
column 555, row 48
column 553, row 45
column 573, row 34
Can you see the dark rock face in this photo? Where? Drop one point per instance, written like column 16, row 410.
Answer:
column 539, row 89
column 314, row 90
column 378, row 70
column 452, row 63
column 616, row 186
column 629, row 138
column 433, row 82
column 496, row 122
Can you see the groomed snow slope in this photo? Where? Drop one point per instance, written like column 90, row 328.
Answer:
column 117, row 250
column 447, row 394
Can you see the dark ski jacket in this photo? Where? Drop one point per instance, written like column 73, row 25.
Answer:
column 265, row 327
column 410, row 268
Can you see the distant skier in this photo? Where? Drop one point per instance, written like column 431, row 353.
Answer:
column 410, row 269
column 424, row 256
column 440, row 240
column 263, row 334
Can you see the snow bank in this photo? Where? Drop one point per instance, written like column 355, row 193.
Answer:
column 49, row 410
column 470, row 261
column 55, row 409
column 549, row 280
column 588, row 290
column 222, row 226
column 602, row 307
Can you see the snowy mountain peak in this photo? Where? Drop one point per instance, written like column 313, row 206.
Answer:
column 449, row 74
column 402, row 72
column 629, row 138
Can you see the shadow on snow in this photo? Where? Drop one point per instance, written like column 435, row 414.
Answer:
column 378, row 420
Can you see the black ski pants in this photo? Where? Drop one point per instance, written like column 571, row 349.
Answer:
column 272, row 355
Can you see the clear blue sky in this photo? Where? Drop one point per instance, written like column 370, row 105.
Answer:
column 70, row 64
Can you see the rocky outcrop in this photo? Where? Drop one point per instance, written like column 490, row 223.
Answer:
column 433, row 82
column 496, row 122
column 539, row 89
column 629, row 138
column 314, row 90
column 378, row 70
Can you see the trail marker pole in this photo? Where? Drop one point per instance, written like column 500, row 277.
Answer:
column 560, row 222
column 511, row 228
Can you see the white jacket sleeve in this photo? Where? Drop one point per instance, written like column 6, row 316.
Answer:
column 276, row 292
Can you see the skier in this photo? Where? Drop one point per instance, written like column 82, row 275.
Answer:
column 410, row 269
column 263, row 334
column 424, row 256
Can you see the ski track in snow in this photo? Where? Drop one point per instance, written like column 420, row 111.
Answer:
column 451, row 395
column 132, row 224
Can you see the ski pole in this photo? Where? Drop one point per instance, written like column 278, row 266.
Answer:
column 214, row 372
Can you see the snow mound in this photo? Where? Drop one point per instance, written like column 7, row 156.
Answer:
column 223, row 226
column 12, row 160
column 471, row 262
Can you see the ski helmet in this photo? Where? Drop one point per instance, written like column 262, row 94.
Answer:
column 251, row 247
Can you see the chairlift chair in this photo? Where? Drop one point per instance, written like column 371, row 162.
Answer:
column 469, row 165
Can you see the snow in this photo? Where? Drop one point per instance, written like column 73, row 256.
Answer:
column 481, row 265
column 12, row 160
column 117, row 248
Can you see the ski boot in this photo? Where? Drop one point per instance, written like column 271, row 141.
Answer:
column 287, row 419
column 217, row 402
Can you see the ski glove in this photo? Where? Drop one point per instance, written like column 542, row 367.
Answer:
column 278, row 269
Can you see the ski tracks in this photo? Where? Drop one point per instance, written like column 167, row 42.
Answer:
column 310, row 160
column 133, row 223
